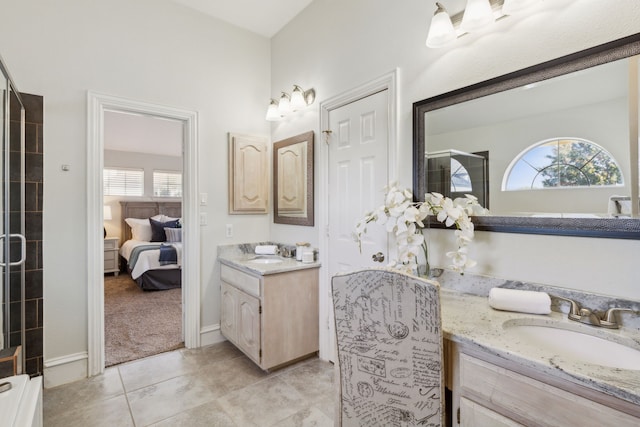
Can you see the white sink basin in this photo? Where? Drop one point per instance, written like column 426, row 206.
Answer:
column 265, row 260
column 573, row 345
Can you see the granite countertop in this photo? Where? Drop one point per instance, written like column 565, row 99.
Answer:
column 469, row 320
column 240, row 256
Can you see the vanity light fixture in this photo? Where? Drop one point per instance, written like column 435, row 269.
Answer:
column 284, row 105
column 287, row 104
column 477, row 15
column 441, row 31
column 301, row 98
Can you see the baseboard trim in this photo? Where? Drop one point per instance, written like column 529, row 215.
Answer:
column 65, row 369
column 211, row 335
column 74, row 367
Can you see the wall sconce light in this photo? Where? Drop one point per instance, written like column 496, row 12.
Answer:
column 287, row 104
column 477, row 15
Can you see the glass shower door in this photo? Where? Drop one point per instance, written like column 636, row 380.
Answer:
column 4, row 290
column 12, row 223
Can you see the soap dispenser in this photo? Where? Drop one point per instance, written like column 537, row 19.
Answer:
column 300, row 247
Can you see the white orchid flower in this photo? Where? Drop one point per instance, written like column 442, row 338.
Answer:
column 405, row 218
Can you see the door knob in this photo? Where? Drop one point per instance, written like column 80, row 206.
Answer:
column 379, row 257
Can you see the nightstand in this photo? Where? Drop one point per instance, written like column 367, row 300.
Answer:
column 111, row 258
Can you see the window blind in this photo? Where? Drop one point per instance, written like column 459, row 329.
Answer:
column 167, row 184
column 123, row 182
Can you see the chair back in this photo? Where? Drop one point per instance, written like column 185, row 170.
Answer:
column 389, row 341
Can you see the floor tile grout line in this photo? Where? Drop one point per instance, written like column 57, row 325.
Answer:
column 126, row 398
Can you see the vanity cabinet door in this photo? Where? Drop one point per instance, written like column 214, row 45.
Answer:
column 248, row 174
column 249, row 325
column 474, row 415
column 529, row 400
column 229, row 312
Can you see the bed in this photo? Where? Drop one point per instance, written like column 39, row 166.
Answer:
column 153, row 265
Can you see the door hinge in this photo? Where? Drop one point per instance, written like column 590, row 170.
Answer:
column 327, row 135
column 260, row 310
column 458, row 415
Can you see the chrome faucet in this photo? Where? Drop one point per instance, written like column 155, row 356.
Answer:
column 605, row 319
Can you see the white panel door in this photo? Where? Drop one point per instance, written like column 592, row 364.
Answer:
column 358, row 172
column 357, row 175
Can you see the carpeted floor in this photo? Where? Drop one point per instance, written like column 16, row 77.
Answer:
column 138, row 323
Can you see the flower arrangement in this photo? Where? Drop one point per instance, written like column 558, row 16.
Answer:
column 405, row 219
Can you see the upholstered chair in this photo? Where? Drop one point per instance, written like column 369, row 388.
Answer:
column 389, row 342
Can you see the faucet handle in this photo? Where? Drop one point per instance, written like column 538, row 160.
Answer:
column 609, row 315
column 574, row 309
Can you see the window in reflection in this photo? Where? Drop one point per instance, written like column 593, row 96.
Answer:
column 460, row 179
column 561, row 163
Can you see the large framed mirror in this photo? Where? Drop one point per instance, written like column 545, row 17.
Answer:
column 557, row 143
column 293, row 180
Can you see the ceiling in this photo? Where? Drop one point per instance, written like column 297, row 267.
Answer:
column 144, row 134
column 264, row 17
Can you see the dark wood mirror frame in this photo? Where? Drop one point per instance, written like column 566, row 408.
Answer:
column 619, row 228
column 278, row 217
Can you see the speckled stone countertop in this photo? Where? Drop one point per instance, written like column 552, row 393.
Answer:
column 240, row 256
column 468, row 319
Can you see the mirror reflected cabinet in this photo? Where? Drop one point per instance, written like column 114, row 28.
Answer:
column 557, row 145
column 293, row 180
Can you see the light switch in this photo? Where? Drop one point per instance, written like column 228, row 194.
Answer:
column 203, row 199
column 203, row 218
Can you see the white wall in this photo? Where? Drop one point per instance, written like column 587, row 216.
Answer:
column 604, row 123
column 148, row 50
column 335, row 45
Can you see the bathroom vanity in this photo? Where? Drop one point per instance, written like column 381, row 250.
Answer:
column 269, row 310
column 499, row 376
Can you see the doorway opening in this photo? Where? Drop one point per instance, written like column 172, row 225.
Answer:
column 100, row 106
column 142, row 186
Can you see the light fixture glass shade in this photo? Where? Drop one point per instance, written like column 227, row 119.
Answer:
column 297, row 98
column 284, row 105
column 477, row 14
column 441, row 31
column 107, row 213
column 510, row 7
column 272, row 112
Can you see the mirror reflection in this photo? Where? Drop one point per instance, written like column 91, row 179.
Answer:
column 558, row 147
column 293, row 180
column 560, row 142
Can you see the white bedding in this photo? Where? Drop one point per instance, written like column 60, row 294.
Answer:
column 148, row 260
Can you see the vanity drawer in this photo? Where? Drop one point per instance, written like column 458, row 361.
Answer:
column 527, row 400
column 243, row 281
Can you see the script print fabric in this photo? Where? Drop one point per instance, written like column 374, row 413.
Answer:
column 389, row 338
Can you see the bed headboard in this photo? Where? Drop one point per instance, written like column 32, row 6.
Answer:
column 145, row 210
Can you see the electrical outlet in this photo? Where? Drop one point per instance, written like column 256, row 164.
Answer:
column 203, row 218
column 229, row 230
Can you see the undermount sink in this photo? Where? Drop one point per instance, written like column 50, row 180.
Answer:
column 573, row 345
column 265, row 260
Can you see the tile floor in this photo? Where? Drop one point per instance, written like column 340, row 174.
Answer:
column 212, row 386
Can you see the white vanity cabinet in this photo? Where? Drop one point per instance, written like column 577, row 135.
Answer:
column 272, row 318
column 488, row 391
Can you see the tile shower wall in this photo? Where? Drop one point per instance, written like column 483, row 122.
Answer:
column 34, row 150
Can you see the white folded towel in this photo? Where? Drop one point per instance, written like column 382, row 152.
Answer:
column 266, row 249
column 521, row 301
